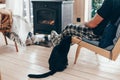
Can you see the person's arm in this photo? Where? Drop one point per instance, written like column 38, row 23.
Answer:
column 103, row 13
column 94, row 22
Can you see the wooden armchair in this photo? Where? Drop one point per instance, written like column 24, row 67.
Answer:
column 6, row 23
column 111, row 52
column 0, row 76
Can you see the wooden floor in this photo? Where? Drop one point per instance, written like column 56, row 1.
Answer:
column 34, row 59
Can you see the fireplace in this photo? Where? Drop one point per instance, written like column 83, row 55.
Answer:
column 51, row 15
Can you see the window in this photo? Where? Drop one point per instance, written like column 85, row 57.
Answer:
column 91, row 7
column 95, row 6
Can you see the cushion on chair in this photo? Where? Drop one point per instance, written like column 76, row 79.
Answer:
column 91, row 41
column 117, row 35
column 96, row 43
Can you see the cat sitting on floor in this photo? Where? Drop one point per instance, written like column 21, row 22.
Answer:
column 58, row 59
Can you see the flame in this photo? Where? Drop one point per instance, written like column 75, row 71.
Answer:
column 50, row 22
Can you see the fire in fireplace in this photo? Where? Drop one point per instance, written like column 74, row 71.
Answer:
column 46, row 17
column 51, row 15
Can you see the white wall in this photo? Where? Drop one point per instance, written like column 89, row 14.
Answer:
column 82, row 9
column 16, row 6
column 79, row 6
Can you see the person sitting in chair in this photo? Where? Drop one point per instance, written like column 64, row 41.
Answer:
column 102, row 27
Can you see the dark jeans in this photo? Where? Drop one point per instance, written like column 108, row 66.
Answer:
column 108, row 36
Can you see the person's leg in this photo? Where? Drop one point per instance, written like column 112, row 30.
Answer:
column 73, row 30
column 108, row 35
column 70, row 30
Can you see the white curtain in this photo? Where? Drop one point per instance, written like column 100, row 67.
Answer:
column 16, row 6
column 20, row 26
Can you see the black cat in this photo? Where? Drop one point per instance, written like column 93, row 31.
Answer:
column 58, row 59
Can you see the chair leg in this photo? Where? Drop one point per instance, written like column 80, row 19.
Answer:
column 5, row 39
column 7, row 42
column 0, row 76
column 16, row 46
column 77, row 53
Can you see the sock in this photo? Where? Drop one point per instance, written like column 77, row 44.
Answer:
column 55, row 38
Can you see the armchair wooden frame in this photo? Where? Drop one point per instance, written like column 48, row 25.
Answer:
column 112, row 55
column 6, row 24
column 0, row 76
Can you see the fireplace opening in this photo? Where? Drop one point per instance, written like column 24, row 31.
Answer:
column 46, row 17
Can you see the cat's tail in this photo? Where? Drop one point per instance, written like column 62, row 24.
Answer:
column 41, row 75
